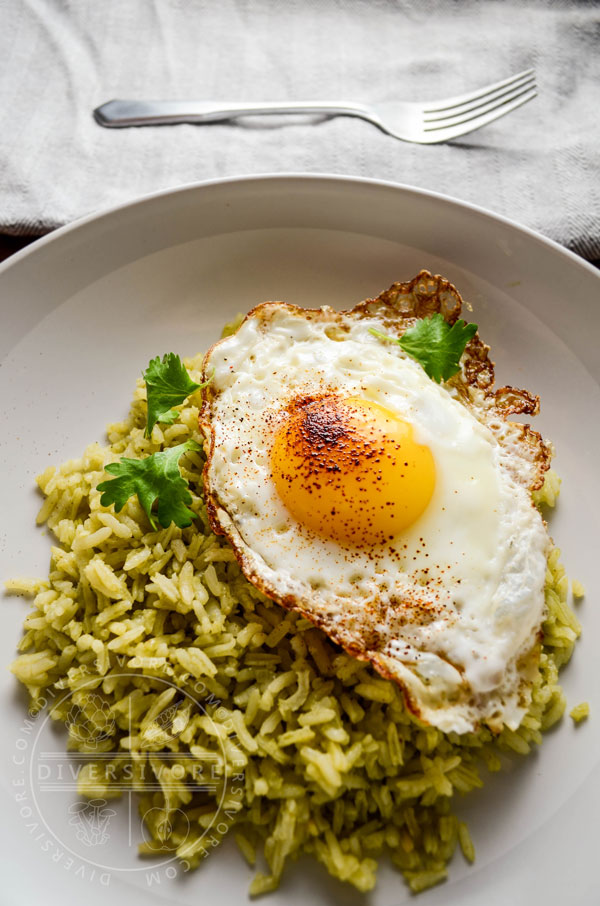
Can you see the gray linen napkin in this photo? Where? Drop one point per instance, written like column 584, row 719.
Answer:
column 61, row 58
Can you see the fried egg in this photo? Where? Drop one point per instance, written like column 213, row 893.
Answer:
column 393, row 512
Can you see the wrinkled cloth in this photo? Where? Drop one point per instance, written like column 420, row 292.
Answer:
column 61, row 58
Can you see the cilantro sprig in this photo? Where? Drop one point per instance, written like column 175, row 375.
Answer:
column 168, row 384
column 156, row 478
column 435, row 344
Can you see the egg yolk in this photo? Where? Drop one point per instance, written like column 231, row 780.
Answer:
column 351, row 470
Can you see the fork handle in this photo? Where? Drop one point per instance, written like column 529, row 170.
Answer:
column 119, row 113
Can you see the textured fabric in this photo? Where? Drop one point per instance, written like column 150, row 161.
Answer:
column 61, row 58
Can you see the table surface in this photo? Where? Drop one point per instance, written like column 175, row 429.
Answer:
column 11, row 244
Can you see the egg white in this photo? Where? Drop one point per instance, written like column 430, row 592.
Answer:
column 452, row 607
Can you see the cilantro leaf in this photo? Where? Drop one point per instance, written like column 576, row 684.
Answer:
column 435, row 344
column 168, row 384
column 155, row 478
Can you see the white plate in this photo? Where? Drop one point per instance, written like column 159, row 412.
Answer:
column 86, row 308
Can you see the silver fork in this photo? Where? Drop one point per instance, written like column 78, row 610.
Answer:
column 425, row 123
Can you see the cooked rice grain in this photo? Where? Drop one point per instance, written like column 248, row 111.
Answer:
column 580, row 712
column 311, row 750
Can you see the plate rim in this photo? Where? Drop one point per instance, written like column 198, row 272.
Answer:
column 86, row 220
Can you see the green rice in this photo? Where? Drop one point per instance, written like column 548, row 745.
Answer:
column 311, row 751
column 580, row 712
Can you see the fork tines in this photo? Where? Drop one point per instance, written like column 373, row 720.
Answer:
column 485, row 105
